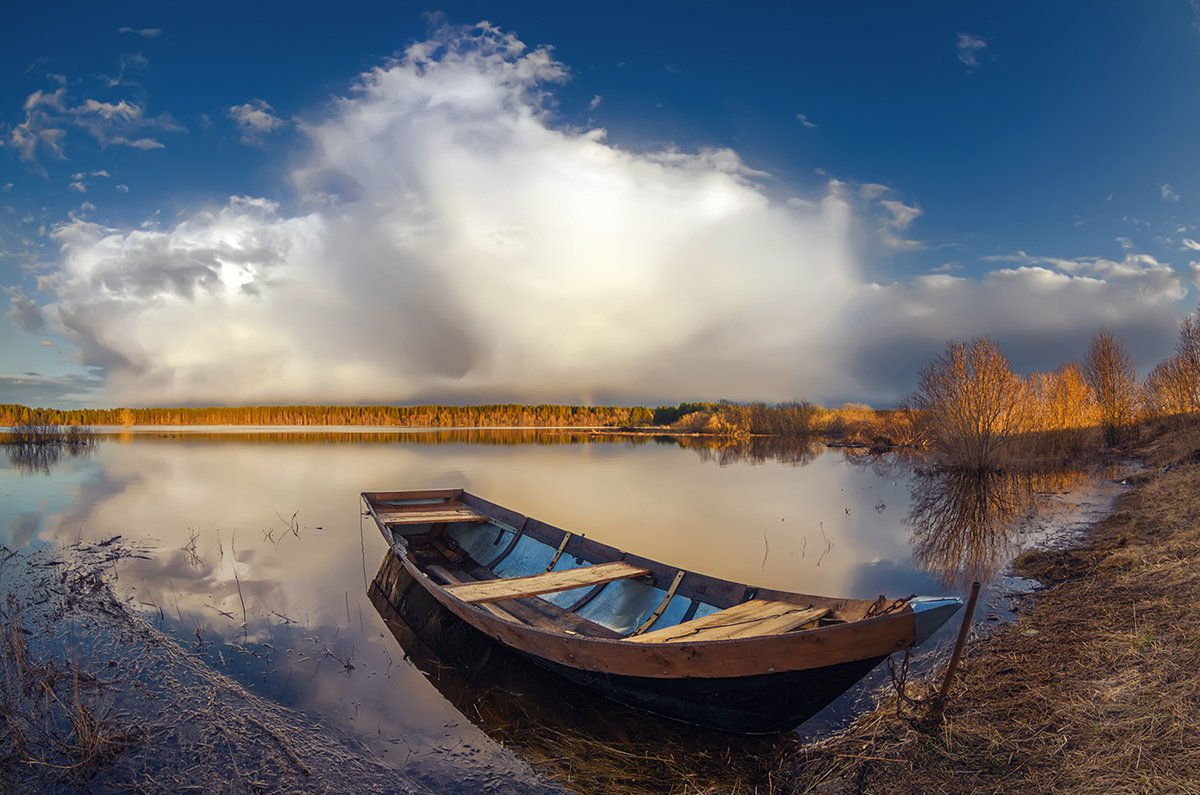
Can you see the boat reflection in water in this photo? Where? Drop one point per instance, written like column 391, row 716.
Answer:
column 558, row 727
column 968, row 525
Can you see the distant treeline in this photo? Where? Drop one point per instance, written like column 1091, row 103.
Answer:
column 507, row 415
column 501, row 415
column 724, row 418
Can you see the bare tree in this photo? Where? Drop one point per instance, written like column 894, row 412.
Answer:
column 971, row 404
column 1173, row 386
column 1187, row 354
column 1110, row 373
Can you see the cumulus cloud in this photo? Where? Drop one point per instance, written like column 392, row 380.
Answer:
column 969, row 49
column 256, row 120
column 455, row 243
column 460, row 244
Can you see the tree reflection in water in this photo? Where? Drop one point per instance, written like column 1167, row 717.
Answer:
column 791, row 450
column 33, row 458
column 966, row 525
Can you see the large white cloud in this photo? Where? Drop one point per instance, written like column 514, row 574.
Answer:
column 453, row 242
column 457, row 243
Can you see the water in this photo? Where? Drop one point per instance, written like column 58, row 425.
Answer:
column 259, row 558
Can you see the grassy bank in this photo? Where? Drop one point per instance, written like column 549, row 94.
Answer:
column 1094, row 689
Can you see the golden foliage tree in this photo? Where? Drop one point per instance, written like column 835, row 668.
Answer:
column 972, row 405
column 1173, row 385
column 1110, row 373
column 1168, row 389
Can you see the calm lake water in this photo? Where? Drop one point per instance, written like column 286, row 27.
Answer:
column 260, row 559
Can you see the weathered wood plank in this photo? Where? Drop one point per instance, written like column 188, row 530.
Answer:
column 438, row 516
column 534, row 612
column 749, row 619
column 381, row 498
column 534, row 584
column 449, row 577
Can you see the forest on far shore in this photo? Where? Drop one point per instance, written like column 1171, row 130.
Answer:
column 791, row 417
column 970, row 409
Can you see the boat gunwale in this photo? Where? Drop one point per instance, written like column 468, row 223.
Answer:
column 580, row 547
column 776, row 652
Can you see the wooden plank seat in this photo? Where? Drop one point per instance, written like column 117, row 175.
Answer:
column 534, row 612
column 550, row 582
column 755, row 617
column 436, row 515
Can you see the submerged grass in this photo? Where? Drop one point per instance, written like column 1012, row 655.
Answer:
column 93, row 698
column 1096, row 688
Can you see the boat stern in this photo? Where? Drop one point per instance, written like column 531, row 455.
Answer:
column 931, row 612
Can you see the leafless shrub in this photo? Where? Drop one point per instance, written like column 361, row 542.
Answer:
column 972, row 405
column 1110, row 373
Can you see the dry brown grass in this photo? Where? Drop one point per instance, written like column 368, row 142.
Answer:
column 1095, row 689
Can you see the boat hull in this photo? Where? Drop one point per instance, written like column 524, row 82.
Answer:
column 715, row 674
column 761, row 704
column 758, row 704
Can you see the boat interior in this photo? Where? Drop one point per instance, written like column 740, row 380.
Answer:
column 525, row 571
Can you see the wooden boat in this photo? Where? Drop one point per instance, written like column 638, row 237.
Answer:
column 691, row 647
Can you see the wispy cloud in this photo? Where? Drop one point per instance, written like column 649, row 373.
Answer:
column 125, row 63
column 805, row 121
column 1168, row 192
column 136, row 143
column 24, row 311
column 40, row 390
column 48, row 115
column 41, row 128
column 146, row 33
column 256, row 120
column 970, row 48
column 595, row 102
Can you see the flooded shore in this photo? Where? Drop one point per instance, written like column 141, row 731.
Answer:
column 246, row 559
column 1092, row 689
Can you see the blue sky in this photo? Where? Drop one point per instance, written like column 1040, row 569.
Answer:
column 366, row 202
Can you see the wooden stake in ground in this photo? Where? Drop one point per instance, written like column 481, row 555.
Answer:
column 962, row 639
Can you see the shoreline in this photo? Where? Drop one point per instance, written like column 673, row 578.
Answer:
column 1093, row 688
